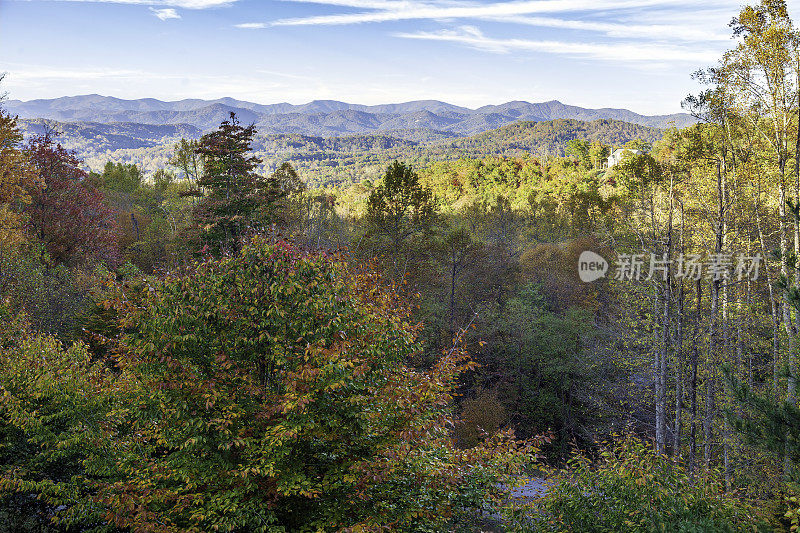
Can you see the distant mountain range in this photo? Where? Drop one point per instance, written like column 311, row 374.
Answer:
column 324, row 118
column 330, row 143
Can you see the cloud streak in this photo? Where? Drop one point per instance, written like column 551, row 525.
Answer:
column 625, row 28
column 185, row 4
column 165, row 14
column 620, row 52
column 621, row 31
column 49, row 73
column 396, row 11
column 250, row 26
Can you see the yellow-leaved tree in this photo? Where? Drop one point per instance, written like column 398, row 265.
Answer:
column 16, row 177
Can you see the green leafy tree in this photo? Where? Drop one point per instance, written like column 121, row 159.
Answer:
column 55, row 404
column 773, row 426
column 188, row 161
column 122, row 178
column 399, row 210
column 17, row 179
column 598, row 153
column 288, row 180
column 579, row 149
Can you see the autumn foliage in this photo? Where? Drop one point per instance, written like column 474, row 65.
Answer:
column 66, row 213
column 264, row 392
column 16, row 179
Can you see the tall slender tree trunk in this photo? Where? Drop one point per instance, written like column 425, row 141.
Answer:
column 787, row 321
column 727, row 432
column 661, row 308
column 662, row 370
column 453, row 293
column 714, row 326
column 791, row 380
column 774, row 311
column 708, row 421
column 693, row 382
column 727, row 435
column 679, row 359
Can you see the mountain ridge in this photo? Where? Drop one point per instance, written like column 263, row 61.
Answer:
column 322, row 117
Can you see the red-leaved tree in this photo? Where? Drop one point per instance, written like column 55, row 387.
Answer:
column 67, row 214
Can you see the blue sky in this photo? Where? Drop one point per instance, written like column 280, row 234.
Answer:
column 637, row 54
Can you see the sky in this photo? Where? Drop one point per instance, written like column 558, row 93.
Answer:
column 634, row 54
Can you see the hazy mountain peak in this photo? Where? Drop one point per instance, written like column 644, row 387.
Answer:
column 322, row 117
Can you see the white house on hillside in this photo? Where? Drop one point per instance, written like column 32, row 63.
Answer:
column 616, row 156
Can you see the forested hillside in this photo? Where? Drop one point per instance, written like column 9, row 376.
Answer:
column 335, row 161
column 242, row 331
column 89, row 138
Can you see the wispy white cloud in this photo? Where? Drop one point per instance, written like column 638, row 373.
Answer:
column 185, row 4
column 259, row 85
column 364, row 4
column 620, row 52
column 392, row 10
column 624, row 28
column 623, row 31
column 51, row 73
column 251, row 26
column 165, row 14
column 42, row 78
column 289, row 75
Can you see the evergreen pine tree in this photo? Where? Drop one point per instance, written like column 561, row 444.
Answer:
column 238, row 201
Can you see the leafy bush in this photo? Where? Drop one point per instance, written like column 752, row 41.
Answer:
column 54, row 406
column 481, row 415
column 629, row 487
column 50, row 294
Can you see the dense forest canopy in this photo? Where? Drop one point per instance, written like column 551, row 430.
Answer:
column 244, row 331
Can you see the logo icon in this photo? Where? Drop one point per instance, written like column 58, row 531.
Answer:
column 591, row 266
